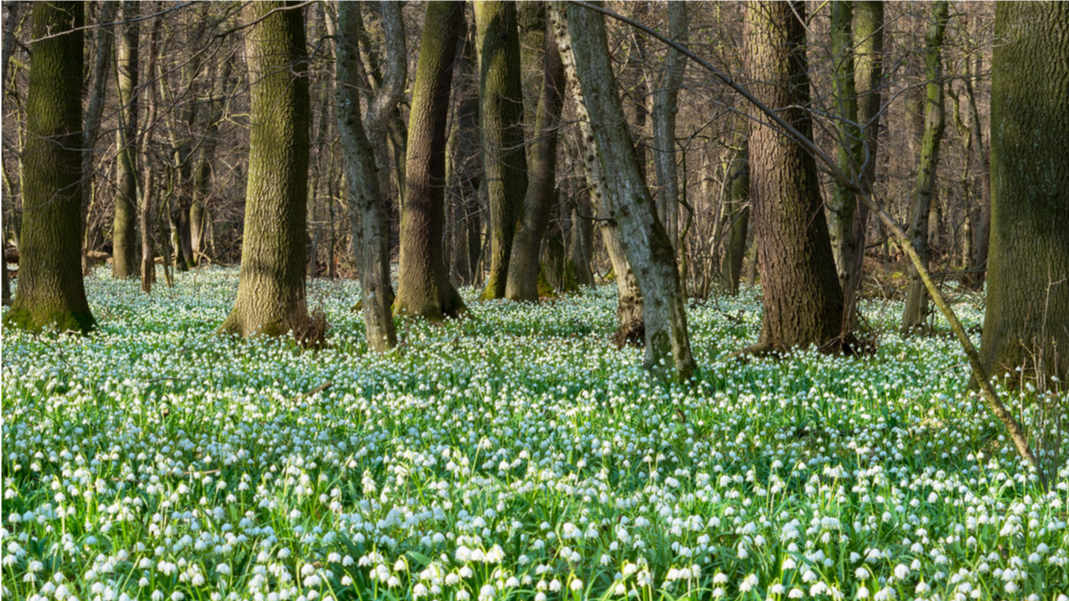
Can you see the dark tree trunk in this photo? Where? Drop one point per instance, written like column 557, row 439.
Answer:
column 50, row 290
column 199, row 212
column 648, row 248
column 523, row 265
column 803, row 303
column 271, row 289
column 1026, row 323
column 104, row 38
column 737, row 218
column 123, row 263
column 501, row 132
column 916, row 310
column 978, row 153
column 424, row 289
column 148, row 173
column 665, row 101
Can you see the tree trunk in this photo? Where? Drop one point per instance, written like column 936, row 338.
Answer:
column 50, row 290
column 802, row 299
column 737, row 216
column 523, row 264
column 271, row 287
column 977, row 259
column 581, row 240
column 123, row 263
column 424, row 289
column 916, row 310
column 148, row 172
column 1026, row 323
column 629, row 324
column 501, row 132
column 91, row 131
column 648, row 248
column 366, row 196
column 842, row 207
column 665, row 100
column 868, row 84
column 11, row 19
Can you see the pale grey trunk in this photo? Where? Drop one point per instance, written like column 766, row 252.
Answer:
column 648, row 249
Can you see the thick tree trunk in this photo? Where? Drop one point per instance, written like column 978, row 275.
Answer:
column 501, row 132
column 868, row 84
column 648, row 248
column 802, row 299
column 665, row 100
column 50, row 290
column 736, row 216
column 1026, row 323
column 271, row 288
column 916, row 310
column 629, row 324
column 424, row 289
column 123, row 263
column 842, row 207
column 523, row 264
column 366, row 196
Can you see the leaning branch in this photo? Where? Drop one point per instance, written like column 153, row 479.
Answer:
column 1017, row 433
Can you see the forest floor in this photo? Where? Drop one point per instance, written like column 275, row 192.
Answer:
column 517, row 454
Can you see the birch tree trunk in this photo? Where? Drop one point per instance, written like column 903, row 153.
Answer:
column 648, row 248
column 424, row 289
column 271, row 288
column 916, row 309
column 51, row 292
column 803, row 303
column 1026, row 323
column 501, row 132
column 366, row 196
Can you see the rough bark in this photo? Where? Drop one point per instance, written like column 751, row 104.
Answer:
column 366, row 196
column 501, row 132
column 271, row 286
column 123, row 263
column 802, row 299
column 736, row 216
column 50, row 290
column 629, row 324
column 1026, row 323
column 538, row 201
column 648, row 248
column 665, row 101
column 916, row 310
column 842, row 206
column 424, row 289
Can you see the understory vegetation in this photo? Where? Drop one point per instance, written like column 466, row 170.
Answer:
column 515, row 454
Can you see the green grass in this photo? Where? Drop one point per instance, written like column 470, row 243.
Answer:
column 515, row 455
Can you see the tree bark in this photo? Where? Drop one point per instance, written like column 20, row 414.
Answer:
column 665, row 101
column 199, row 212
column 916, row 309
column 1026, row 323
column 648, row 248
column 271, row 288
column 802, row 299
column 366, row 196
column 501, row 132
column 736, row 216
column 978, row 153
column 148, row 173
column 11, row 18
column 868, row 84
column 123, row 263
column 424, row 289
column 524, row 263
column 842, row 207
column 91, row 131
column 50, row 290
column 629, row 324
